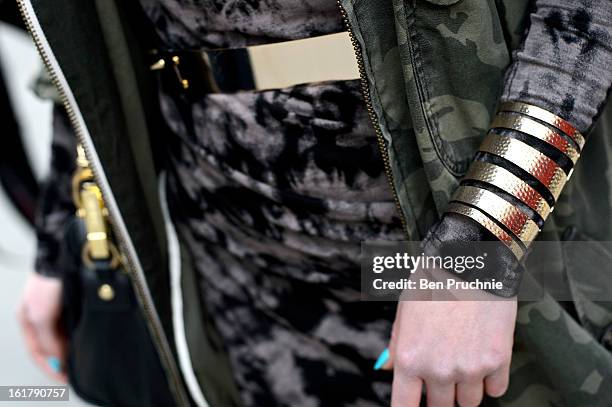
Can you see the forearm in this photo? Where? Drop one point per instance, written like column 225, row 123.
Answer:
column 519, row 171
column 564, row 64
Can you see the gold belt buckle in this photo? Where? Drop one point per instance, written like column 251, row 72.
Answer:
column 278, row 65
column 176, row 61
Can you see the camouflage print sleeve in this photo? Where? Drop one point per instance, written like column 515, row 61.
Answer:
column 555, row 87
column 55, row 206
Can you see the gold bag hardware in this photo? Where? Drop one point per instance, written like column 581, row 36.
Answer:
column 90, row 207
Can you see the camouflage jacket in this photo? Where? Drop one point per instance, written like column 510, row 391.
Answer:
column 434, row 77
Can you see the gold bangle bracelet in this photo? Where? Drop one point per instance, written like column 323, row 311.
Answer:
column 546, row 117
column 499, row 209
column 531, row 127
column 488, row 224
column 505, row 180
column 529, row 159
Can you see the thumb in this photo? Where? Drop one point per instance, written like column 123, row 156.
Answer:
column 39, row 314
column 385, row 359
column 395, row 330
column 51, row 349
column 45, row 341
column 384, row 362
column 52, row 340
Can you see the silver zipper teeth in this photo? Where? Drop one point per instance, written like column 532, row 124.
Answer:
column 127, row 259
column 365, row 91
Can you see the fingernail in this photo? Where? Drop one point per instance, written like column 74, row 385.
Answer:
column 382, row 359
column 54, row 363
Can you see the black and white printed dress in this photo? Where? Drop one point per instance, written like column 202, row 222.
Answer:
column 272, row 192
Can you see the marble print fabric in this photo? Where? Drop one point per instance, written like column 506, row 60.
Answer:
column 272, row 192
column 210, row 24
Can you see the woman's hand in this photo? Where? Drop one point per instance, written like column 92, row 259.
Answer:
column 39, row 314
column 458, row 350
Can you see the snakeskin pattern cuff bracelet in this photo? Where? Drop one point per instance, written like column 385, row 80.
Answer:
column 524, row 161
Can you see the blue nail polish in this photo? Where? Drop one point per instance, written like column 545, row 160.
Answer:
column 382, row 359
column 54, row 363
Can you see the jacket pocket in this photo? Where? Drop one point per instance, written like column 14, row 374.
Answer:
column 458, row 55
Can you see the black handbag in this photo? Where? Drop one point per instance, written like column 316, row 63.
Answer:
column 111, row 358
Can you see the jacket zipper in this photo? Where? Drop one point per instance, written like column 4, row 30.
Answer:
column 128, row 256
column 365, row 91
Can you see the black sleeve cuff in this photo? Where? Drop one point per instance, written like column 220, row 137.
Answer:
column 502, row 265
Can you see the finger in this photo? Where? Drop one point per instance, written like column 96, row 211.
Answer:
column 392, row 346
column 52, row 343
column 469, row 394
column 497, row 382
column 31, row 339
column 32, row 343
column 37, row 349
column 406, row 391
column 388, row 365
column 383, row 361
column 440, row 394
column 51, row 340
